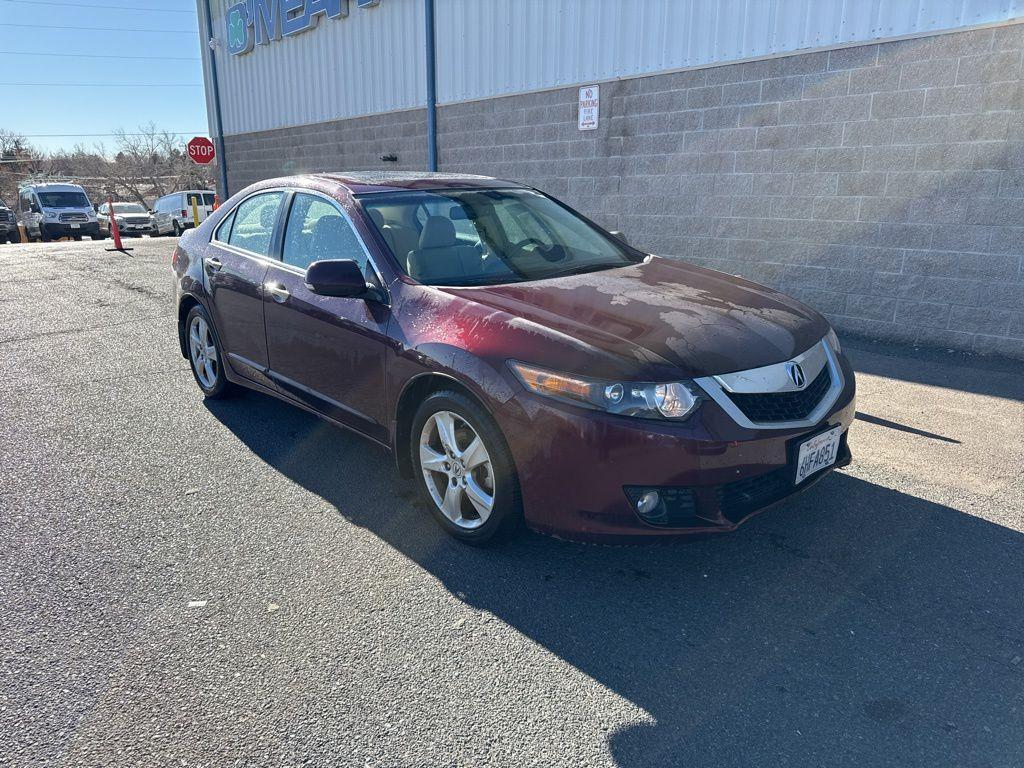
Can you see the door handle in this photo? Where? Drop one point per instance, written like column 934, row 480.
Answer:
column 277, row 291
column 213, row 263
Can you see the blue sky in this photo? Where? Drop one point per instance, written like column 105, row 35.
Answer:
column 166, row 92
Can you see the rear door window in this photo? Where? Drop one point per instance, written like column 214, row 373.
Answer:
column 224, row 230
column 254, row 223
column 317, row 231
column 208, row 199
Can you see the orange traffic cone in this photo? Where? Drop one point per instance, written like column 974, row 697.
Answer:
column 114, row 231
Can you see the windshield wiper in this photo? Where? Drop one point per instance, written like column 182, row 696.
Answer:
column 580, row 270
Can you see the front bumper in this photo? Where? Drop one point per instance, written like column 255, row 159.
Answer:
column 576, row 468
column 134, row 228
column 62, row 229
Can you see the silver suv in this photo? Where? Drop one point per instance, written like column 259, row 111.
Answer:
column 176, row 212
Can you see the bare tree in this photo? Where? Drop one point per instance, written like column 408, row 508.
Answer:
column 141, row 166
column 151, row 163
column 18, row 158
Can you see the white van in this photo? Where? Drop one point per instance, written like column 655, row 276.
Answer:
column 172, row 214
column 52, row 211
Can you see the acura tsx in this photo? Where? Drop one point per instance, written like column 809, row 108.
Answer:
column 521, row 363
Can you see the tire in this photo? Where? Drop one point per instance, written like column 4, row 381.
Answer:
column 461, row 486
column 176, row 229
column 211, row 379
column 77, row 238
column 98, row 237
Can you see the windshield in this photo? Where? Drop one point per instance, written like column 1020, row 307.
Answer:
column 489, row 236
column 63, row 200
column 128, row 208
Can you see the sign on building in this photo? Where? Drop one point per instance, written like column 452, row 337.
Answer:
column 590, row 105
column 260, row 22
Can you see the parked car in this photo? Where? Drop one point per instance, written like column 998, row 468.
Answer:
column 172, row 214
column 520, row 362
column 52, row 211
column 133, row 220
column 8, row 225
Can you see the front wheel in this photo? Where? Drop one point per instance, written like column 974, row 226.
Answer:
column 464, row 468
column 205, row 354
column 176, row 229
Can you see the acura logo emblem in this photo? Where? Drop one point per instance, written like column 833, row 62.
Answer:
column 796, row 373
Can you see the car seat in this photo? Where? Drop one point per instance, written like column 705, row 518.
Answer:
column 440, row 255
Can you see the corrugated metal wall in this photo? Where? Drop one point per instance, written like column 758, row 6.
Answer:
column 373, row 61
column 492, row 47
column 370, row 62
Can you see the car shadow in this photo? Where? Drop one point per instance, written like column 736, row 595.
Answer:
column 984, row 375
column 854, row 625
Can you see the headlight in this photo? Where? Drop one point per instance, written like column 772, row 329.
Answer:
column 672, row 400
column 92, row 215
column 833, row 341
column 50, row 215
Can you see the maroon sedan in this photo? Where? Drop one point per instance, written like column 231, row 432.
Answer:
column 521, row 363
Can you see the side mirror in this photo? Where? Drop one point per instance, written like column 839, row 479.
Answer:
column 34, row 208
column 618, row 235
column 337, row 277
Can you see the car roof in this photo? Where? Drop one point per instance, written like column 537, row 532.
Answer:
column 54, row 187
column 367, row 182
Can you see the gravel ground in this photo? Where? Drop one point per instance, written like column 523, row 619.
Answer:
column 230, row 584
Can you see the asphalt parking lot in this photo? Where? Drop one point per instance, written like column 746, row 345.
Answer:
column 195, row 584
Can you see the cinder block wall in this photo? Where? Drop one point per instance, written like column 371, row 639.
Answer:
column 882, row 184
column 338, row 145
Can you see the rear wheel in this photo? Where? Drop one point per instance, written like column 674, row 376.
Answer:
column 464, row 469
column 205, row 354
column 176, row 229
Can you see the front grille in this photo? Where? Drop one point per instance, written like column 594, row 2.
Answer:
column 738, row 499
column 766, row 407
column 73, row 217
column 7, row 216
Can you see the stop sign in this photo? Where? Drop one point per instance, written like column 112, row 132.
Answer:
column 201, row 150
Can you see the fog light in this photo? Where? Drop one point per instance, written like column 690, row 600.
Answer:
column 648, row 503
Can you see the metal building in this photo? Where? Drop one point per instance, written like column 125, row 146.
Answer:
column 865, row 155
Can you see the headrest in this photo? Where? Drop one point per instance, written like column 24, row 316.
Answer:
column 267, row 215
column 438, row 232
column 377, row 217
column 328, row 232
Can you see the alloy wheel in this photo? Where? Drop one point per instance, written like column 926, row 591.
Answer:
column 457, row 469
column 203, row 352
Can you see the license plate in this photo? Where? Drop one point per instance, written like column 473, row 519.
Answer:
column 818, row 452
column 76, row 226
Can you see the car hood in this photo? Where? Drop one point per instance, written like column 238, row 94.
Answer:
column 662, row 313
